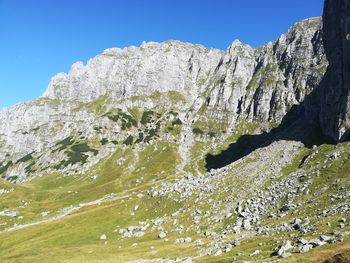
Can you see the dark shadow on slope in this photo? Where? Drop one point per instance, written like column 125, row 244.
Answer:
column 243, row 146
column 298, row 125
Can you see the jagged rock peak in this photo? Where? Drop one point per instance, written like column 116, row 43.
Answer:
column 171, row 65
column 262, row 84
column 133, row 71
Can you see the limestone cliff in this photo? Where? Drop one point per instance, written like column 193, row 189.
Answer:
column 262, row 84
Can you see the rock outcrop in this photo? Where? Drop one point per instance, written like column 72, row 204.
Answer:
column 335, row 89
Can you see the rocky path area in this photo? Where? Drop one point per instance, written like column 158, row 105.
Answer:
column 65, row 212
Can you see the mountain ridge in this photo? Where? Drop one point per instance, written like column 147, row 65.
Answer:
column 254, row 85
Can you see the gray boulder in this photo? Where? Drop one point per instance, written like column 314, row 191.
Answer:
column 305, row 248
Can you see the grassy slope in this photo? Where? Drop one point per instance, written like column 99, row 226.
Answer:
column 54, row 192
column 75, row 238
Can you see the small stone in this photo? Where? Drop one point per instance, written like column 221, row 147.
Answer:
column 247, row 225
column 228, row 248
column 236, row 243
column 325, row 238
column 282, row 252
column 130, row 228
column 285, row 208
column 303, row 241
column 303, row 231
column 139, row 234
column 256, row 252
column 316, row 242
column 207, row 233
column 297, row 223
column 162, row 235
column 180, row 240
column 218, row 252
column 228, row 215
column 285, row 255
column 103, row 237
column 188, row 239
column 46, row 213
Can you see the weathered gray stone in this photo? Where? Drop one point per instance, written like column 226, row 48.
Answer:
column 283, row 250
column 255, row 253
column 305, row 248
column 162, row 235
column 316, row 242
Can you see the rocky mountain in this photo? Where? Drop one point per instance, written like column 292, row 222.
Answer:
column 209, row 90
column 173, row 152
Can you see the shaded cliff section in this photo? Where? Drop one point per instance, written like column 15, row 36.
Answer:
column 334, row 91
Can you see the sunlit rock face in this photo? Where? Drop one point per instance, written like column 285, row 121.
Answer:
column 264, row 83
column 134, row 71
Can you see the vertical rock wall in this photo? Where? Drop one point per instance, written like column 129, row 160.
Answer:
column 335, row 88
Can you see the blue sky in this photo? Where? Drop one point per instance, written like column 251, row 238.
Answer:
column 39, row 38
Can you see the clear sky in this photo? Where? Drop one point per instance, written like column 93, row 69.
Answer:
column 39, row 38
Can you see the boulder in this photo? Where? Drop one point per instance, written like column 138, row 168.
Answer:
column 305, row 248
column 283, row 250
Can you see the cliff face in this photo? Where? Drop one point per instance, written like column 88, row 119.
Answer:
column 263, row 84
column 335, row 88
column 174, row 91
column 137, row 71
